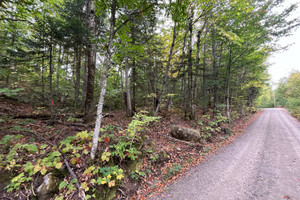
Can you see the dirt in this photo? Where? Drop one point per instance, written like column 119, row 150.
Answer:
column 263, row 163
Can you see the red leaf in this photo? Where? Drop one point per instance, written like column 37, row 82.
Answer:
column 52, row 102
column 106, row 140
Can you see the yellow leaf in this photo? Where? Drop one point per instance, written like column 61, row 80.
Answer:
column 58, row 165
column 43, row 171
column 111, row 184
column 103, row 181
column 36, row 168
column 120, row 176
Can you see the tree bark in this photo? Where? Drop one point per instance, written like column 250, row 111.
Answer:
column 228, row 86
column 190, row 112
column 50, row 82
column 133, row 82
column 128, row 99
column 107, row 64
column 215, row 72
column 89, row 100
column 83, row 92
column 167, row 70
column 204, row 78
column 77, row 83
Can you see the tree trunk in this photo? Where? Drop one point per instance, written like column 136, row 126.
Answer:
column 190, row 112
column 77, row 83
column 204, row 78
column 133, row 74
column 215, row 72
column 58, row 65
column 50, row 82
column 228, row 86
column 128, row 99
column 198, row 60
column 83, row 93
column 167, row 70
column 89, row 100
column 107, row 64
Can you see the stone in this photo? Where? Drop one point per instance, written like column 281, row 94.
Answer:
column 227, row 131
column 48, row 187
column 186, row 134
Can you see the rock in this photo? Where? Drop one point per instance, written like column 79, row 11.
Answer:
column 48, row 187
column 186, row 134
column 227, row 131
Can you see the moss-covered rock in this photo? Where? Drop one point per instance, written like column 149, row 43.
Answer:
column 48, row 187
column 186, row 134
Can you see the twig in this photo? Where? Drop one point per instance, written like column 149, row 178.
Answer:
column 32, row 189
column 5, row 197
column 81, row 192
column 122, row 192
column 34, row 134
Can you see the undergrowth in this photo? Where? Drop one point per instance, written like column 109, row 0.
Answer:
column 117, row 149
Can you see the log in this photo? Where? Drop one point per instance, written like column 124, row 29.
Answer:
column 186, row 134
column 34, row 116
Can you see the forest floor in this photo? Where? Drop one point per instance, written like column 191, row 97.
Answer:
column 171, row 157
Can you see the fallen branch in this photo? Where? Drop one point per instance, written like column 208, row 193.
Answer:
column 35, row 116
column 73, row 175
column 70, row 124
column 32, row 134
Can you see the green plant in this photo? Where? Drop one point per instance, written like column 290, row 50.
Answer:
column 10, row 92
column 175, row 169
column 27, row 121
column 206, row 149
column 200, row 123
column 137, row 174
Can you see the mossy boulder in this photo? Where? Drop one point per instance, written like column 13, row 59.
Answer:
column 187, row 134
column 48, row 187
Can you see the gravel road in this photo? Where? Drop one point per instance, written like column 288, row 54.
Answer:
column 262, row 164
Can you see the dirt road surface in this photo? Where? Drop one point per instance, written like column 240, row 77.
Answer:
column 262, row 164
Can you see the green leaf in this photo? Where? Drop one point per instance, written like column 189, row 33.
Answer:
column 36, row 168
column 59, row 197
column 43, row 170
column 43, row 146
column 28, row 167
column 105, row 156
column 58, row 165
column 89, row 170
column 30, row 147
column 62, row 185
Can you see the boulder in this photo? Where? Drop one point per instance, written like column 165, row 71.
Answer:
column 48, row 187
column 187, row 134
column 227, row 131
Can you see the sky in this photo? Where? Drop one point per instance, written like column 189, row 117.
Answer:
column 284, row 62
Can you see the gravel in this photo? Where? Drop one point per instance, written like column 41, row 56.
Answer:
column 262, row 164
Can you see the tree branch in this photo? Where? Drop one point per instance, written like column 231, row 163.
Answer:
column 138, row 12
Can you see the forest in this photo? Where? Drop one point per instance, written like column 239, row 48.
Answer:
column 91, row 88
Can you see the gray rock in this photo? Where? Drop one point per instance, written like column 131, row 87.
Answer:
column 186, row 134
column 48, row 187
column 228, row 131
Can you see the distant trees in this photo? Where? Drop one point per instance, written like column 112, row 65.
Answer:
column 288, row 93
